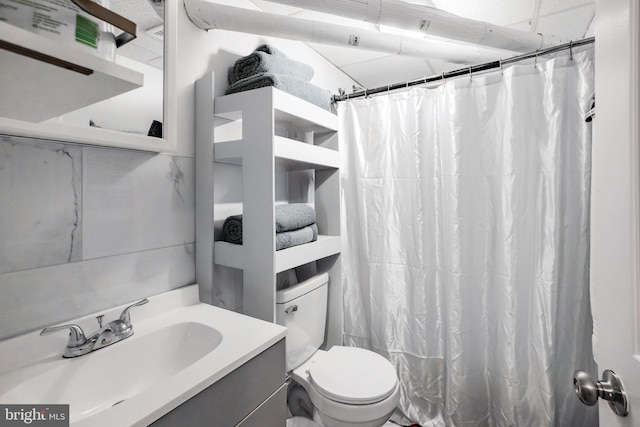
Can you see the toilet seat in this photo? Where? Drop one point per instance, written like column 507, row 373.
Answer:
column 328, row 400
column 353, row 376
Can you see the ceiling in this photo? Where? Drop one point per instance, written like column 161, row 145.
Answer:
column 147, row 47
column 565, row 19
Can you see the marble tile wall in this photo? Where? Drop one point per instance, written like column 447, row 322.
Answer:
column 41, row 196
column 83, row 229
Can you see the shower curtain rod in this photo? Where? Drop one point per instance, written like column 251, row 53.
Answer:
column 462, row 71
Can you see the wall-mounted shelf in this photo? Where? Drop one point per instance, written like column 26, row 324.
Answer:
column 288, row 111
column 263, row 114
column 289, row 154
column 231, row 255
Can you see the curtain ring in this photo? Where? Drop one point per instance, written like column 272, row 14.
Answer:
column 443, row 79
column 407, row 86
column 388, row 89
column 535, row 63
column 571, row 50
column 425, row 82
column 501, row 68
column 470, row 74
column 365, row 94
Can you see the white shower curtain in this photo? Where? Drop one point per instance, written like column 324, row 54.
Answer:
column 466, row 243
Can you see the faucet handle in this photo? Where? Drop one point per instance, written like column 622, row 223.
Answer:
column 122, row 327
column 125, row 317
column 76, row 334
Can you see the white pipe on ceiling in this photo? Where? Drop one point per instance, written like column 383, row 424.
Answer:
column 429, row 20
column 210, row 16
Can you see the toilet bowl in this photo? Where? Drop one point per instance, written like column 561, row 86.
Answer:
column 349, row 387
column 342, row 387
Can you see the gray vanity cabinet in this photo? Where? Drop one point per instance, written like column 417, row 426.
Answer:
column 255, row 394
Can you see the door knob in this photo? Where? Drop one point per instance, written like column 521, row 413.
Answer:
column 609, row 389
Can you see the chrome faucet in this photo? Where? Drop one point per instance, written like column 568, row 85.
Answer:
column 111, row 333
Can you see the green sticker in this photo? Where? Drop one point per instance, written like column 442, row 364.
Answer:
column 86, row 31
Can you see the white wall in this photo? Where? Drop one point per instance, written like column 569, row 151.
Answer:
column 84, row 229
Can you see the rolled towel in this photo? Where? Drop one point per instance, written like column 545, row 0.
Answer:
column 296, row 87
column 232, row 229
column 287, row 239
column 293, row 216
column 261, row 62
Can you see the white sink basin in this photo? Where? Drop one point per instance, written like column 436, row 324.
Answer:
column 143, row 362
column 179, row 348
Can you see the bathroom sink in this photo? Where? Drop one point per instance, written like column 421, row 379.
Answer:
column 179, row 348
column 87, row 383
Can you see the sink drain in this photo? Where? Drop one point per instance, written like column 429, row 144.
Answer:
column 117, row 403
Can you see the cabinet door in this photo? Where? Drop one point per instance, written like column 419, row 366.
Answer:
column 230, row 400
column 272, row 412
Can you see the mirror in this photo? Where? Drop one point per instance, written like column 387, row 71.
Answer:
column 140, row 111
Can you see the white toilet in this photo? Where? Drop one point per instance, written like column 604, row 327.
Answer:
column 341, row 387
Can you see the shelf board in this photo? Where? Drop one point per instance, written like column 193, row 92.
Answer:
column 300, row 113
column 231, row 255
column 34, row 91
column 289, row 110
column 290, row 154
column 298, row 255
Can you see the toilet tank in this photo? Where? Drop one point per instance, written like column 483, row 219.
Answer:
column 302, row 308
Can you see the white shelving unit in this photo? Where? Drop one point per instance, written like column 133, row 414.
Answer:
column 34, row 90
column 261, row 154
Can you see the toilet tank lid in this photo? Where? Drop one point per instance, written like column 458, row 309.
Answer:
column 286, row 295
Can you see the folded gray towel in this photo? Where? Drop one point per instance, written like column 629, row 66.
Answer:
column 262, row 62
column 232, row 233
column 287, row 239
column 296, row 87
column 293, row 216
column 289, row 217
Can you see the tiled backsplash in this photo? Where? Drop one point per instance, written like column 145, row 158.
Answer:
column 83, row 229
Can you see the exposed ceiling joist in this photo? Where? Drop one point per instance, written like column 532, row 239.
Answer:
column 430, row 21
column 209, row 16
